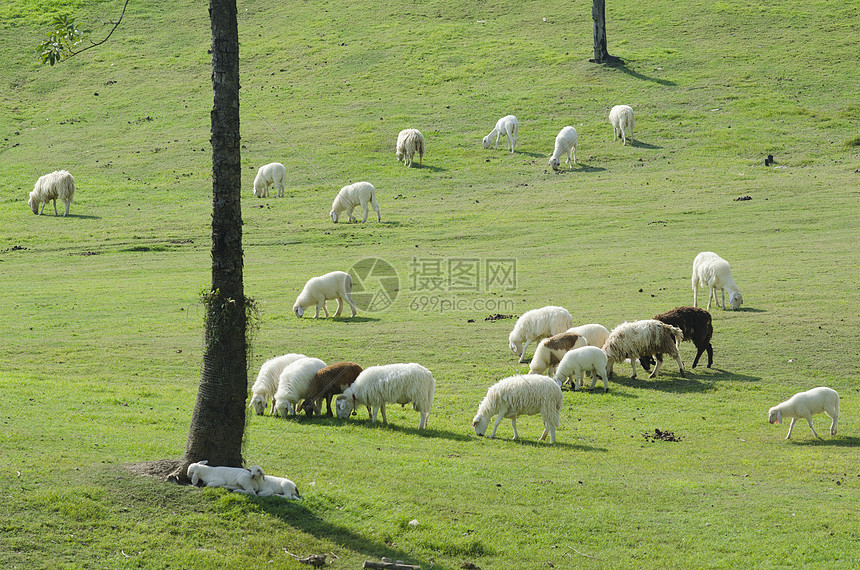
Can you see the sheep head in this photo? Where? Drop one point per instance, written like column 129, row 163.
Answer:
column 480, row 424
column 298, row 310
column 258, row 402
column 774, row 416
column 487, row 141
column 333, row 215
column 736, row 300
column 344, row 406
column 553, row 162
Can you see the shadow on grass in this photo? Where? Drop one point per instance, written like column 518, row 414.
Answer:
column 640, row 144
column 82, row 217
column 636, row 75
column 580, row 167
column 672, row 382
column 830, row 442
column 430, row 168
column 355, row 319
column 557, row 445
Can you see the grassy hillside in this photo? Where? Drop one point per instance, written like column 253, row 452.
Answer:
column 100, row 341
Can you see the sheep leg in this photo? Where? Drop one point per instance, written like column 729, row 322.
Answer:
column 633, row 365
column 677, row 358
column 834, row 421
column 55, row 207
column 791, row 427
column 724, row 299
column 495, row 146
column 657, row 366
column 328, row 405
column 577, row 379
column 384, row 419
column 514, row 425
column 339, row 307
column 423, row 422
column 809, row 421
column 364, row 205
column 273, row 406
column 525, row 345
column 496, row 425
column 352, row 306
column 551, row 431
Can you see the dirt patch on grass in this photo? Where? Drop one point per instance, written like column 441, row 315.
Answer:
column 660, row 435
column 159, row 469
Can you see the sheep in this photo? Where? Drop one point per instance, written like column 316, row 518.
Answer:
column 579, row 361
column 237, row 479
column 696, row 325
column 641, row 338
column 538, row 324
column 621, row 117
column 279, row 487
column 334, row 285
column 396, row 383
column 273, row 174
column 293, row 384
column 594, row 334
column 712, row 271
column 58, row 184
column 565, row 141
column 328, row 382
column 410, row 141
column 804, row 405
column 267, row 381
column 358, row 194
column 551, row 350
column 508, row 126
column 521, row 395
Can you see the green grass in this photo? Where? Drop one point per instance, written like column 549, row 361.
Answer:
column 101, row 335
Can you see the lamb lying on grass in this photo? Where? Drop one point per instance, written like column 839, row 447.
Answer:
column 233, row 478
column 804, row 405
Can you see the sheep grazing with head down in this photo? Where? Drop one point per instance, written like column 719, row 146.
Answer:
column 580, row 360
column 59, row 184
column 712, row 271
column 594, row 334
column 273, row 174
column 550, row 351
column 237, row 479
column 358, row 194
column 521, row 395
column 565, row 142
column 392, row 383
column 293, row 384
column 410, row 141
column 621, row 117
column 696, row 325
column 267, row 381
column 327, row 383
column 643, row 338
column 536, row 325
column 334, row 285
column 508, row 126
column 804, row 405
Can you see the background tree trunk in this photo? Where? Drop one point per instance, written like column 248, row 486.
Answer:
column 598, row 14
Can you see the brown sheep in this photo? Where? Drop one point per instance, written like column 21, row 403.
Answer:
column 327, row 383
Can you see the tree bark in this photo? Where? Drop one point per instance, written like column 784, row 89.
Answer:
column 601, row 53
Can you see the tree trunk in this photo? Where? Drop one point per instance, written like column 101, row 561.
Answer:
column 218, row 422
column 601, row 54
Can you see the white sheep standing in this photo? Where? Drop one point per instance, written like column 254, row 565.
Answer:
column 293, row 384
column 521, row 395
column 58, row 184
column 565, row 142
column 334, row 285
column 621, row 117
column 394, row 383
column 536, row 325
column 594, row 334
column 279, row 487
column 508, row 126
column 410, row 141
column 712, row 271
column 647, row 337
column 273, row 174
column 804, row 405
column 237, row 479
column 358, row 194
column 580, row 360
column 550, row 351
column 267, row 381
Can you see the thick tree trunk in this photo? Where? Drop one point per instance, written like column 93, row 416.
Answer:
column 218, row 422
column 601, row 54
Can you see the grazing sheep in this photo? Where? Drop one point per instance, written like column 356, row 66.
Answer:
column 267, row 381
column 579, row 361
column 696, row 325
column 293, row 384
column 334, row 285
column 410, row 141
column 358, row 194
column 565, row 142
column 621, row 117
column 278, row 487
column 395, row 383
column 273, row 174
column 643, row 338
column 508, row 126
column 58, row 184
column 804, row 405
column 237, row 479
column 538, row 324
column 521, row 395
column 712, row 271
column 550, row 351
column 327, row 383
column 594, row 334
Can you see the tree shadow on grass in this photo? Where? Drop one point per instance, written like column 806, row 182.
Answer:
column 636, row 75
column 427, row 432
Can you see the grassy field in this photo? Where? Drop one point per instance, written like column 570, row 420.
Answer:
column 101, row 328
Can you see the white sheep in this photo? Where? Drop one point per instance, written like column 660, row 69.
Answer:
column 565, row 142
column 621, row 117
column 550, row 351
column 394, row 383
column 508, row 126
column 648, row 337
column 293, row 384
column 580, row 360
column 712, row 271
column 804, row 405
column 237, row 479
column 594, row 334
column 358, row 194
column 410, row 141
column 278, row 486
column 334, row 285
column 273, row 174
column 267, row 381
column 521, row 395
column 58, row 184
column 536, row 325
